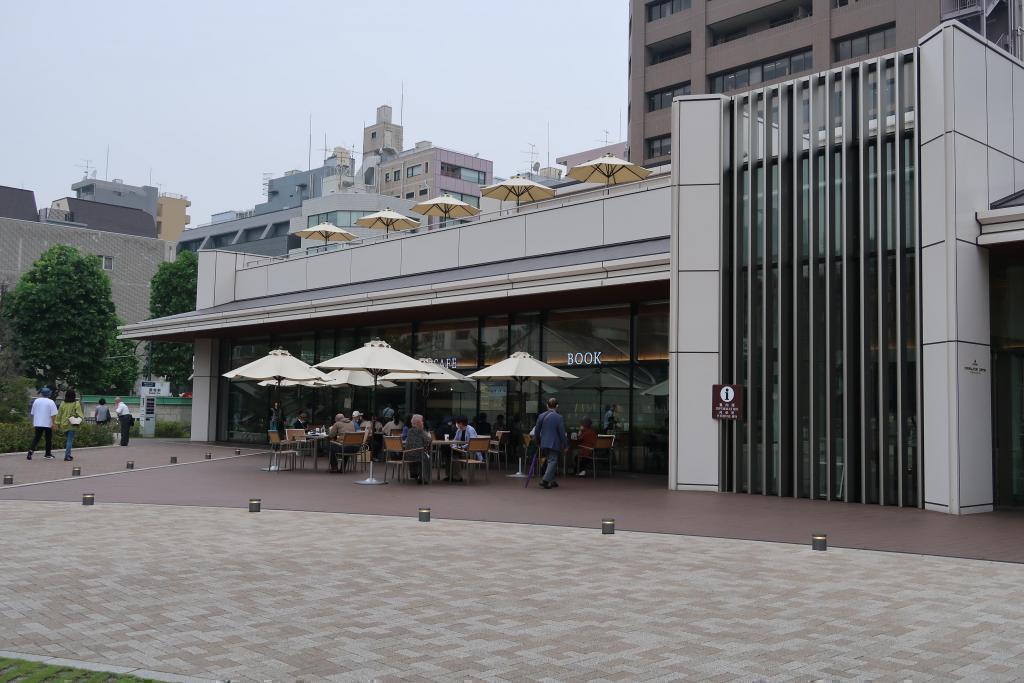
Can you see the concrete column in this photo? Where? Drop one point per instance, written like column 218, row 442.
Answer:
column 966, row 134
column 698, row 144
column 205, row 387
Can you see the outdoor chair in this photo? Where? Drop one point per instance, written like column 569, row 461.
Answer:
column 297, row 438
column 499, row 450
column 354, row 445
column 277, row 450
column 397, row 456
column 601, row 452
column 466, row 456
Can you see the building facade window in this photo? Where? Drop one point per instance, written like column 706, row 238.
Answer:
column 410, row 195
column 108, row 262
column 662, row 99
column 341, row 219
column 423, row 191
column 670, row 48
column 468, row 174
column 869, row 42
column 658, row 147
column 663, row 8
column 767, row 70
column 414, row 170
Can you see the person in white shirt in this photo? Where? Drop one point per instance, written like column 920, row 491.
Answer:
column 124, row 417
column 44, row 410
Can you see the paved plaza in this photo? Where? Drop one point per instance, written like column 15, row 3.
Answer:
column 220, row 593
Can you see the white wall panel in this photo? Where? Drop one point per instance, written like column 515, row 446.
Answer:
column 699, row 311
column 286, row 276
column 565, row 229
column 933, row 88
column 330, row 269
column 972, row 289
column 934, row 294
column 432, row 251
column 495, row 240
column 699, row 137
column 1000, row 102
column 638, row 216
column 699, row 244
column 205, row 279
column 224, row 278
column 376, row 261
column 971, row 179
column 974, row 395
column 1000, row 177
column 969, row 96
column 935, row 399
column 695, row 432
column 1018, row 112
column 1018, row 176
column 933, row 191
column 251, row 282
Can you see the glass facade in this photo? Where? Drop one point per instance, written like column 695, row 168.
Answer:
column 1006, row 275
column 618, row 353
column 822, row 287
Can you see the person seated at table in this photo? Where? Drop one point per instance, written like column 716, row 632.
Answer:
column 499, row 424
column 418, row 438
column 482, row 426
column 587, row 437
column 463, row 430
column 357, row 420
column 395, row 424
column 342, row 425
column 301, row 422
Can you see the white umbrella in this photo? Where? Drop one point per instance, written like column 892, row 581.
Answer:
column 291, row 383
column 518, row 188
column 521, row 366
column 326, row 232
column 279, row 366
column 609, row 170
column 438, row 373
column 353, row 378
column 378, row 359
column 387, row 219
column 446, row 207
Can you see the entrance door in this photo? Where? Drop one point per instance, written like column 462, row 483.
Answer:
column 1009, row 427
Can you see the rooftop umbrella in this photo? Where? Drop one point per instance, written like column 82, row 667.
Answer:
column 447, row 207
column 518, row 188
column 326, row 232
column 387, row 219
column 521, row 366
column 609, row 170
column 378, row 359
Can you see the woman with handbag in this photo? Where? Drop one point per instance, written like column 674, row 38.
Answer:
column 69, row 416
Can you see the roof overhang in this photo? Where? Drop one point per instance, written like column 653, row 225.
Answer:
column 1001, row 226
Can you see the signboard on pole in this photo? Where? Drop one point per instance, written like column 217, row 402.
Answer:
column 727, row 402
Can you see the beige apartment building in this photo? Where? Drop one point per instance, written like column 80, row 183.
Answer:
column 172, row 215
column 680, row 47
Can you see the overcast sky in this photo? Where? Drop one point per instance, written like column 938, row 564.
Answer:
column 207, row 96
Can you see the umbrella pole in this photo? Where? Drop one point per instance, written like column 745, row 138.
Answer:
column 370, row 481
column 519, row 474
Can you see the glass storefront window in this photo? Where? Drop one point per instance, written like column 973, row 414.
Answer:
column 650, row 428
column 525, row 334
column 451, row 343
column 495, row 339
column 398, row 336
column 652, row 332
column 587, row 337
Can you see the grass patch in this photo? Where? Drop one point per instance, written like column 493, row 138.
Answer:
column 22, row 671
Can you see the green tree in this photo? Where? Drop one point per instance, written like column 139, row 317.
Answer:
column 120, row 369
column 173, row 291
column 62, row 315
column 15, row 389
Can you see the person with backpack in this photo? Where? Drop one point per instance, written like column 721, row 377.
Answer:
column 43, row 410
column 550, row 434
column 102, row 413
column 69, row 416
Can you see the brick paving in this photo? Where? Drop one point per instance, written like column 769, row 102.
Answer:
column 220, row 593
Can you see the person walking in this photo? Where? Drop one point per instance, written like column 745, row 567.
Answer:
column 124, row 417
column 44, row 410
column 550, row 432
column 102, row 413
column 69, row 416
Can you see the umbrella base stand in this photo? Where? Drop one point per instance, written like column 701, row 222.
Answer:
column 519, row 474
column 370, row 481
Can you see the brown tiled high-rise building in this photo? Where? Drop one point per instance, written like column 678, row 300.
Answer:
column 678, row 47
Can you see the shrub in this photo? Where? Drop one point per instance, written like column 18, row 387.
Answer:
column 172, row 430
column 17, row 437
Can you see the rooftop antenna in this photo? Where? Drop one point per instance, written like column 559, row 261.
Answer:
column 606, row 141
column 326, row 150
column 620, row 124
column 401, row 107
column 106, row 169
column 86, row 166
column 309, row 155
column 266, row 183
column 532, row 153
column 549, row 144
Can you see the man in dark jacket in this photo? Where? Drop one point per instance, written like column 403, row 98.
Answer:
column 550, row 435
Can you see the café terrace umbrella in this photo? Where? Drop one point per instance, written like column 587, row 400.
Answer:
column 437, row 373
column 519, row 189
column 608, row 170
column 326, row 232
column 519, row 367
column 387, row 219
column 446, row 207
column 277, row 366
column 378, row 359
column 352, row 378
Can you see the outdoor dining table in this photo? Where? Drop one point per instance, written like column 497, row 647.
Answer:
column 318, row 441
column 437, row 446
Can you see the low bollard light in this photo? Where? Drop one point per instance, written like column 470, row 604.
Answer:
column 424, row 514
column 76, row 471
column 209, row 455
column 130, row 465
column 607, row 526
column 819, row 542
column 254, row 504
column 174, row 460
column 88, row 498
column 8, row 479
column 238, row 451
